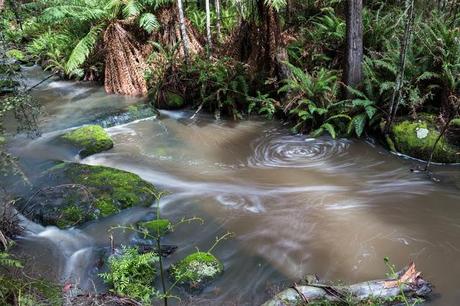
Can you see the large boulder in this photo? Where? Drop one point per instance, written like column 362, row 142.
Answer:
column 417, row 139
column 72, row 194
column 89, row 139
column 197, row 270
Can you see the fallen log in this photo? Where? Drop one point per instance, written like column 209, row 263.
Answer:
column 408, row 285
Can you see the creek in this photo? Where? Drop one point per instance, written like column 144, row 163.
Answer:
column 297, row 205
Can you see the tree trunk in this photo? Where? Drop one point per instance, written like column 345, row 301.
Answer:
column 124, row 63
column 208, row 27
column 183, row 31
column 218, row 21
column 354, row 52
column 405, row 42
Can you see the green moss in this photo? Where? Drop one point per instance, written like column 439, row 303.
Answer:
column 106, row 207
column 174, row 101
column 104, row 191
column 123, row 188
column 196, row 270
column 91, row 139
column 159, row 227
column 15, row 54
column 417, row 139
column 70, row 216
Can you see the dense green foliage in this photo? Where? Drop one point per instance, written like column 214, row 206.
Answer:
column 132, row 274
column 17, row 288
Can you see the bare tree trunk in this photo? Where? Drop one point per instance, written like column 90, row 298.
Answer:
column 218, row 22
column 208, row 27
column 183, row 31
column 397, row 93
column 354, row 52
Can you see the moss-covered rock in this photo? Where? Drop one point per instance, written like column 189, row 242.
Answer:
column 90, row 139
column 158, row 227
column 15, row 54
column 195, row 271
column 173, row 101
column 417, row 138
column 86, row 193
column 132, row 113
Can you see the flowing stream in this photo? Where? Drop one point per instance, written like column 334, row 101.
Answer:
column 296, row 205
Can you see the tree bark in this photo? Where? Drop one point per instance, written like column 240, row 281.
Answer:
column 354, row 53
column 218, row 21
column 405, row 42
column 183, row 31
column 208, row 27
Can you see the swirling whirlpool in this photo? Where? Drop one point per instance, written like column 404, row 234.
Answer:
column 276, row 150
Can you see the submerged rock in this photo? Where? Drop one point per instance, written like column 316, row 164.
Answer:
column 132, row 113
column 417, row 138
column 91, row 139
column 73, row 194
column 197, row 270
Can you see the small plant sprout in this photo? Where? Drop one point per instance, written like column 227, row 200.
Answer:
column 394, row 275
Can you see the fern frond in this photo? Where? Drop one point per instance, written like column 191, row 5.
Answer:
column 148, row 22
column 82, row 50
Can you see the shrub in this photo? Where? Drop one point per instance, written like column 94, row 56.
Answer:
column 132, row 274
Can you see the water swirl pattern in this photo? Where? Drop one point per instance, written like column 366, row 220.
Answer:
column 278, row 150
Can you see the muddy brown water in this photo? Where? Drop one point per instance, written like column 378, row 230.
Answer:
column 296, row 205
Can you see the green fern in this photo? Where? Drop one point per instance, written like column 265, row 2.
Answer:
column 7, row 261
column 83, row 49
column 148, row 22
